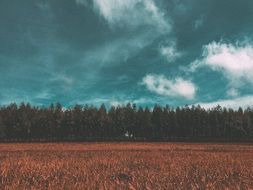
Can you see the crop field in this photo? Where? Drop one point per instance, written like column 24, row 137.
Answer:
column 126, row 166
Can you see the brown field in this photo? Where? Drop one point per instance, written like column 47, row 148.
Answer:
column 126, row 166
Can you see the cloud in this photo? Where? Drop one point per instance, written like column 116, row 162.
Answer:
column 18, row 96
column 233, row 92
column 113, row 101
column 234, row 61
column 172, row 88
column 170, row 53
column 83, row 2
column 117, row 51
column 43, row 5
column 244, row 102
column 67, row 81
column 125, row 102
column 142, row 18
column 130, row 13
column 44, row 95
column 237, row 61
column 198, row 23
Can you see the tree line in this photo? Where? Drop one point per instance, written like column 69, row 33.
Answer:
column 29, row 123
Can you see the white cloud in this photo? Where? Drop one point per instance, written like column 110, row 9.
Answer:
column 170, row 53
column 172, row 88
column 244, row 102
column 116, row 52
column 116, row 103
column 18, row 96
column 119, row 101
column 233, row 92
column 235, row 61
column 67, row 80
column 130, row 13
column 44, row 95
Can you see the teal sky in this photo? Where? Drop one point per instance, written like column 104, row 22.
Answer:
column 173, row 52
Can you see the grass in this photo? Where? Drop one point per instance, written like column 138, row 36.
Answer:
column 126, row 166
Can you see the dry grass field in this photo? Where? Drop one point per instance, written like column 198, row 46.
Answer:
column 126, row 166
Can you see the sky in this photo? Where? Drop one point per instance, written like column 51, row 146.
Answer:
column 168, row 52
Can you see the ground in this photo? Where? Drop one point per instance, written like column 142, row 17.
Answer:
column 126, row 166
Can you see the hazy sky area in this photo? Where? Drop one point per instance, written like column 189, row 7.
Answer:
column 173, row 52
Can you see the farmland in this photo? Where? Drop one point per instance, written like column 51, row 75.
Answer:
column 126, row 166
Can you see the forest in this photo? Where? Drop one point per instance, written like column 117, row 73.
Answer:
column 24, row 122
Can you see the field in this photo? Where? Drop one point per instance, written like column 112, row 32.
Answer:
column 126, row 166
